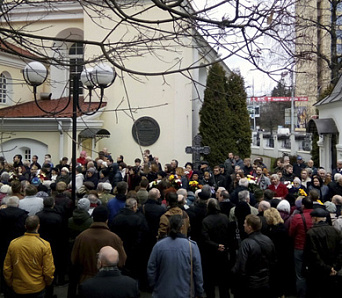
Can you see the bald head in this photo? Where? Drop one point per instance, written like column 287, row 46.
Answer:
column 108, row 257
column 264, row 205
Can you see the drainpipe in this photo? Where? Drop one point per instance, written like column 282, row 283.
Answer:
column 61, row 140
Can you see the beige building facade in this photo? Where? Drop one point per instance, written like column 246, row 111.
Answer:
column 169, row 102
column 313, row 49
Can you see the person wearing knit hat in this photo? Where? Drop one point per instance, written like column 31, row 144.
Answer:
column 284, row 206
column 5, row 190
column 284, row 209
column 83, row 204
column 330, row 207
column 91, row 170
column 104, row 190
column 80, row 220
column 64, row 176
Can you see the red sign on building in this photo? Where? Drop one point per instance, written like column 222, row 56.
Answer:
column 276, row 99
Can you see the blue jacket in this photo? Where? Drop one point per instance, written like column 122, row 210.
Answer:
column 114, row 206
column 169, row 269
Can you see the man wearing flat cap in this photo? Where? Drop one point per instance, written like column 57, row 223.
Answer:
column 322, row 256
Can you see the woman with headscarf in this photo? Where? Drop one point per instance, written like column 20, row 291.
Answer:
column 284, row 209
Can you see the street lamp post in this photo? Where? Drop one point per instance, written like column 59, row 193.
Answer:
column 101, row 76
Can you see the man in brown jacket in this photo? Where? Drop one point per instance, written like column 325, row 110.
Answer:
column 90, row 241
column 173, row 209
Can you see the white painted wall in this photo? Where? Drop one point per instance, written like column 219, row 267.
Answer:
column 18, row 146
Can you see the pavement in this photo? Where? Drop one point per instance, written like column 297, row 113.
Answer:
column 62, row 292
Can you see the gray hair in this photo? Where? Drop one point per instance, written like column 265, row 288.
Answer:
column 131, row 203
column 243, row 196
column 337, row 176
column 5, row 176
column 297, row 180
column 183, row 192
column 100, row 186
column 320, row 170
column 243, row 182
column 264, row 205
column 274, row 176
column 153, row 194
column 12, row 201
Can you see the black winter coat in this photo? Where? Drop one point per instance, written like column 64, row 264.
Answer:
column 323, row 249
column 153, row 211
column 12, row 223
column 197, row 213
column 255, row 261
column 51, row 226
column 109, row 284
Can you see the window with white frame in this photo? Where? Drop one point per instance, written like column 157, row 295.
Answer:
column 3, row 88
column 27, row 154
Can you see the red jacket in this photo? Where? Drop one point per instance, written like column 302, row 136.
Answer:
column 281, row 190
column 297, row 229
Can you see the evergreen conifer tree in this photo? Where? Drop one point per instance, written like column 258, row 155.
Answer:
column 239, row 125
column 214, row 127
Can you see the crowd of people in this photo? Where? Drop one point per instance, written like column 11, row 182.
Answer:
column 173, row 230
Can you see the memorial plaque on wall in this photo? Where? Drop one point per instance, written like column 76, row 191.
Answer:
column 145, row 131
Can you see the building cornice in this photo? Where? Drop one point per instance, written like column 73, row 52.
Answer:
column 10, row 60
column 46, row 124
column 46, row 11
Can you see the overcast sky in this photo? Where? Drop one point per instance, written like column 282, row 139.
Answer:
column 258, row 83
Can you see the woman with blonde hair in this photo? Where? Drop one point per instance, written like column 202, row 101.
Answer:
column 283, row 276
column 273, row 217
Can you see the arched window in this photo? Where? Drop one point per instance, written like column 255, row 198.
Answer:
column 3, row 88
column 76, row 63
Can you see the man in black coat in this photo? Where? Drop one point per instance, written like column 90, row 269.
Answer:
column 217, row 242
column 131, row 227
column 218, row 178
column 12, row 221
column 224, row 201
column 109, row 283
column 322, row 256
column 153, row 211
column 243, row 185
column 197, row 213
column 255, row 261
column 53, row 230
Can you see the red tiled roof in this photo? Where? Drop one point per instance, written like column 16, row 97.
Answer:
column 30, row 109
column 15, row 50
